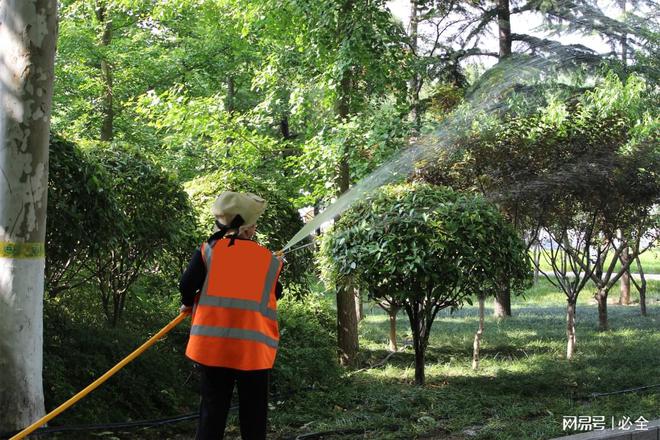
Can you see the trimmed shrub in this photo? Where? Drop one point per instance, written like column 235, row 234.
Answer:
column 307, row 356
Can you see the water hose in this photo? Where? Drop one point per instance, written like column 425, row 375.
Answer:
column 282, row 252
column 113, row 426
column 91, row 387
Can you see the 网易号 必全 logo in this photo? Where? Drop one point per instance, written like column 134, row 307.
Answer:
column 599, row 423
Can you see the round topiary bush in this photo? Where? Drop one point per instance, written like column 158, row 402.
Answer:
column 424, row 248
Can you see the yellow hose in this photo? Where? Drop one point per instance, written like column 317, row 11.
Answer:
column 91, row 387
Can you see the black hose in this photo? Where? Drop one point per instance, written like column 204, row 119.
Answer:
column 344, row 431
column 109, row 426
column 629, row 390
column 106, row 426
column 313, row 435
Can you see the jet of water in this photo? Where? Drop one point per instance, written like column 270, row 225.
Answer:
column 486, row 97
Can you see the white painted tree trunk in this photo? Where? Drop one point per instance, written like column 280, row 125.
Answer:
column 28, row 32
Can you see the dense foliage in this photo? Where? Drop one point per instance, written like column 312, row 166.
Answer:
column 156, row 218
column 80, row 208
column 425, row 248
column 163, row 382
column 579, row 174
column 307, row 356
column 108, row 204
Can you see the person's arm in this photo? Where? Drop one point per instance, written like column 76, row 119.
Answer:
column 192, row 279
column 278, row 291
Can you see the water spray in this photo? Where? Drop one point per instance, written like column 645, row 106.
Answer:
column 486, row 97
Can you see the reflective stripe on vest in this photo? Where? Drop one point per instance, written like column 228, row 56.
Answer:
column 220, row 317
column 235, row 333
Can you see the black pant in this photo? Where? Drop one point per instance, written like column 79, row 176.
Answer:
column 217, row 389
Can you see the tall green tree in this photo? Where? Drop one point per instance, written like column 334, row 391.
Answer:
column 110, row 52
column 353, row 49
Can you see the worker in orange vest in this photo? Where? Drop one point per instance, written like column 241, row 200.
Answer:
column 231, row 287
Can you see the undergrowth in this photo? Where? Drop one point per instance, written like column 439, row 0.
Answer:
column 522, row 390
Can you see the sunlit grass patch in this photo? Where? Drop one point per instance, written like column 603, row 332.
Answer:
column 523, row 387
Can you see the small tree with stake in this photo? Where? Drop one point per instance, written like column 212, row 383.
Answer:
column 426, row 248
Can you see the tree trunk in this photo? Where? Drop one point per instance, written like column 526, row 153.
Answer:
column 359, row 306
column 601, row 298
column 343, row 100
column 504, row 24
column 347, row 334
column 624, row 42
column 624, row 298
column 344, row 174
column 502, row 304
column 477, row 337
column 418, row 327
column 570, row 330
column 414, row 83
column 342, row 108
column 347, row 337
column 642, row 297
column 420, row 378
column 107, row 126
column 537, row 261
column 28, row 32
column 317, row 211
column 284, row 128
column 392, row 312
column 641, row 287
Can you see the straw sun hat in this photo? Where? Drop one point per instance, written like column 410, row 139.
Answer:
column 229, row 204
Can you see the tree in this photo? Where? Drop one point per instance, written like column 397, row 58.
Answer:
column 359, row 47
column 80, row 207
column 298, row 77
column 579, row 168
column 154, row 216
column 28, row 31
column 112, row 51
column 629, row 225
column 622, row 185
column 427, row 248
column 633, row 32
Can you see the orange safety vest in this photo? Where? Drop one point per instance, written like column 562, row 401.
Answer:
column 234, row 320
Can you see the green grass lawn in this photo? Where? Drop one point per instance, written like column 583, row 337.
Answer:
column 650, row 262
column 522, row 391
